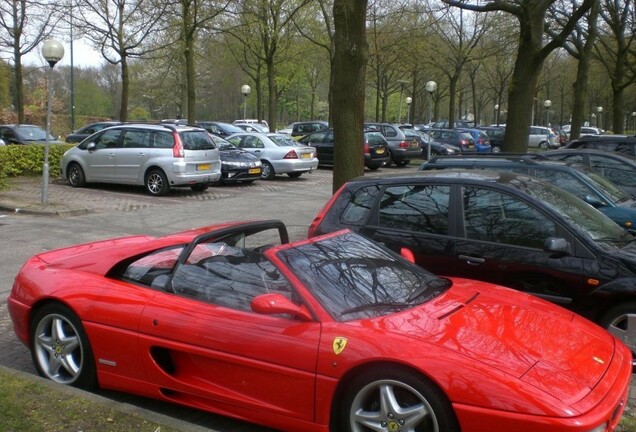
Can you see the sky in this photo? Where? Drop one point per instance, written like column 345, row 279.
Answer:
column 83, row 55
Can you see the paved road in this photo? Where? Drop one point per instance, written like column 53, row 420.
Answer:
column 109, row 211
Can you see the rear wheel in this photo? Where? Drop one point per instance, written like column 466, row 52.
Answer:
column 60, row 349
column 395, row 400
column 496, row 149
column 543, row 145
column 267, row 171
column 76, row 175
column 157, row 183
column 294, row 175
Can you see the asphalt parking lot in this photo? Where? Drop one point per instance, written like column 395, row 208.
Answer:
column 98, row 212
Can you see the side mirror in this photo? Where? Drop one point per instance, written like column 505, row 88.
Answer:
column 558, row 245
column 594, row 202
column 91, row 146
column 272, row 304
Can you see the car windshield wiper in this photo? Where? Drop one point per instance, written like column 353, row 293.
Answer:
column 380, row 305
column 432, row 286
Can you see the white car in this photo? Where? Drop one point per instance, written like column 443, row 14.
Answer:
column 543, row 138
column 277, row 158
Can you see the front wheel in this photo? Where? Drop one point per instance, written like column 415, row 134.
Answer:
column 200, row 187
column 157, row 183
column 76, row 175
column 60, row 349
column 621, row 322
column 392, row 400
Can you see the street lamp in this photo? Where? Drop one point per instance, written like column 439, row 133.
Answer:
column 594, row 118
column 547, row 104
column 52, row 51
column 245, row 90
column 431, row 86
column 600, row 110
column 409, row 99
column 497, row 114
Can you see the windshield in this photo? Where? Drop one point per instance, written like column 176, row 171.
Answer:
column 611, row 190
column 354, row 278
column 577, row 212
column 32, row 133
column 283, row 140
column 221, row 143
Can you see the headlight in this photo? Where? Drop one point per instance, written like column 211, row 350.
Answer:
column 235, row 164
column 601, row 428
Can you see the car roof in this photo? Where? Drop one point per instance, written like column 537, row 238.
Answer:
column 454, row 175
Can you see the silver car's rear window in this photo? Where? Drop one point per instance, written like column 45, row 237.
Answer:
column 196, row 140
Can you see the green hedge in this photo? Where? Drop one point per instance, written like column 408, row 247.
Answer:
column 18, row 160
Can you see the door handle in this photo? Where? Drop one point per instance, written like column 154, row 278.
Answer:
column 472, row 260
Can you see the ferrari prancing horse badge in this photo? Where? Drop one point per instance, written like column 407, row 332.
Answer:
column 339, row 345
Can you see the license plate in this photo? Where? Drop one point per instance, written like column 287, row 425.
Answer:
column 305, row 155
column 379, row 151
column 414, row 144
column 254, row 171
column 204, row 167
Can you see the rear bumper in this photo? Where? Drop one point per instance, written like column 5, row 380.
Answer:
column 294, row 165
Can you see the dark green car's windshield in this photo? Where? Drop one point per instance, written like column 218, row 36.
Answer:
column 354, row 278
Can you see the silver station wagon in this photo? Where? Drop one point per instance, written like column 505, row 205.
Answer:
column 156, row 156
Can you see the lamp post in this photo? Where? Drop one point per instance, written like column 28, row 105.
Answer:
column 431, row 86
column 245, row 90
column 594, row 118
column 52, row 51
column 600, row 110
column 497, row 114
column 409, row 99
column 547, row 104
column 634, row 120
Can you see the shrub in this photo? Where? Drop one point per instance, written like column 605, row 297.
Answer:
column 18, row 160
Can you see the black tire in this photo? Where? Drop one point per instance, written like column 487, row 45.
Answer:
column 373, row 167
column 402, row 163
column 156, row 183
column 617, row 321
column 267, row 171
column 60, row 349
column 543, row 145
column 76, row 176
column 496, row 149
column 390, row 161
column 409, row 389
column 200, row 187
column 294, row 175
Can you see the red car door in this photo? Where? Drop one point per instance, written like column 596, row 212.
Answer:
column 205, row 347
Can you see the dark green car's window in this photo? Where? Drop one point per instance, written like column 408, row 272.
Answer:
column 415, row 208
column 495, row 217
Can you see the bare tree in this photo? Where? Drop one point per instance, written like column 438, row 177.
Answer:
column 25, row 24
column 350, row 59
column 533, row 49
column 616, row 50
column 122, row 30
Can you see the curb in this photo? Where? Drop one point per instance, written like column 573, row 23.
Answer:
column 40, row 210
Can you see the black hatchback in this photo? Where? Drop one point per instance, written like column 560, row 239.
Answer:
column 499, row 227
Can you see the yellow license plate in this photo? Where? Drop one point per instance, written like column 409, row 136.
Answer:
column 254, row 171
column 204, row 167
column 414, row 144
column 379, row 151
column 305, row 155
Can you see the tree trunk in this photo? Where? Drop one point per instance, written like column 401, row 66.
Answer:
column 452, row 98
column 125, row 87
column 271, row 87
column 580, row 88
column 350, row 60
column 19, row 86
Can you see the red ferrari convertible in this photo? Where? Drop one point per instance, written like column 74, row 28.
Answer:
column 333, row 333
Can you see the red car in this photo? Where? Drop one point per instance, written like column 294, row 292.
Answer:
column 333, row 333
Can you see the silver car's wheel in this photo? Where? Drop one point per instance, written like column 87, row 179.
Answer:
column 543, row 145
column 621, row 322
column 60, row 348
column 398, row 400
column 157, row 183
column 76, row 175
column 267, row 171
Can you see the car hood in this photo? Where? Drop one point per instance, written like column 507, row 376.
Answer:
column 237, row 156
column 541, row 344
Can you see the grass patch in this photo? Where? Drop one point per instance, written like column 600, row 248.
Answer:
column 30, row 406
